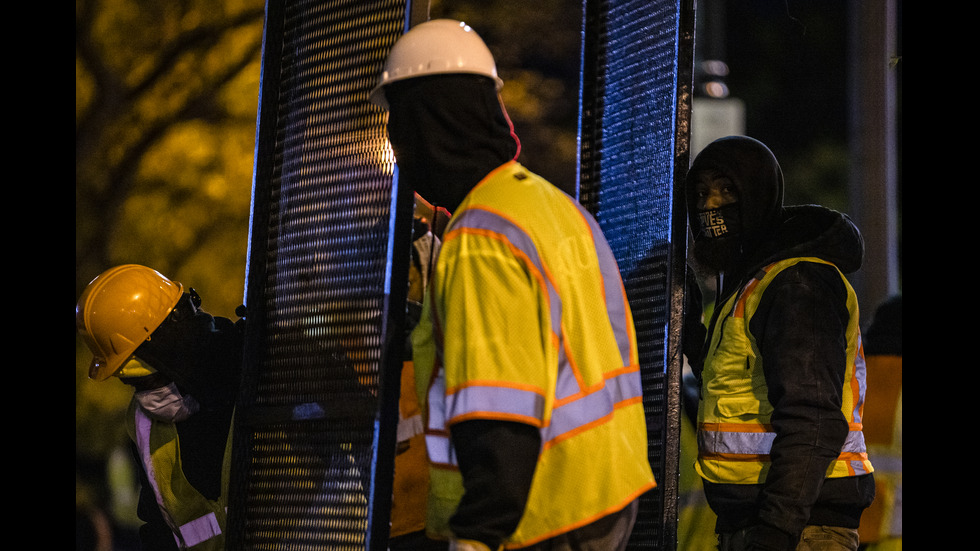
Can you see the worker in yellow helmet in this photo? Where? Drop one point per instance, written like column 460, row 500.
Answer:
column 525, row 353
column 184, row 366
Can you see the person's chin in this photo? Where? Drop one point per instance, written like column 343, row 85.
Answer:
column 715, row 254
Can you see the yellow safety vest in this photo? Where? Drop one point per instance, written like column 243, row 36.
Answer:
column 197, row 522
column 411, row 480
column 881, row 523
column 695, row 519
column 523, row 323
column 734, row 433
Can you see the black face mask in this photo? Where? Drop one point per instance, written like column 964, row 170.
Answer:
column 720, row 222
column 718, row 244
column 199, row 352
column 448, row 132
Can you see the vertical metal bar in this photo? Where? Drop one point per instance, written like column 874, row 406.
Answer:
column 677, row 270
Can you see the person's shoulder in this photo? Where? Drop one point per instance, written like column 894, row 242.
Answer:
column 817, row 278
column 513, row 180
column 521, row 196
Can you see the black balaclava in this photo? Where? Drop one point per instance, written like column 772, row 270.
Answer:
column 756, row 174
column 201, row 353
column 448, row 132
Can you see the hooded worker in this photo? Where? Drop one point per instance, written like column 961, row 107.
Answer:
column 777, row 349
column 525, row 354
column 184, row 365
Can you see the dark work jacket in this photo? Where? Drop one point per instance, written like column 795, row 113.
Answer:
column 206, row 353
column 799, row 326
column 202, row 441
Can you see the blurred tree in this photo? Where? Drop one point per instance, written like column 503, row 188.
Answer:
column 166, row 94
column 165, row 107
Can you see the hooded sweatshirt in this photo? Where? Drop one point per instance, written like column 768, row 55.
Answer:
column 799, row 327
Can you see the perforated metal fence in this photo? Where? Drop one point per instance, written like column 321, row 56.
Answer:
column 314, row 426
column 330, row 235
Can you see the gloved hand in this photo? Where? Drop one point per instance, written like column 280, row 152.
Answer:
column 467, row 545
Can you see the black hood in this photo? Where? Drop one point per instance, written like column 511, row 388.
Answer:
column 812, row 230
column 770, row 231
column 754, row 171
column 448, row 132
column 199, row 352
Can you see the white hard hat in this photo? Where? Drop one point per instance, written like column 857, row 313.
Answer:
column 440, row 46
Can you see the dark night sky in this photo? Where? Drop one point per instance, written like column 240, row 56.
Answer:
column 788, row 62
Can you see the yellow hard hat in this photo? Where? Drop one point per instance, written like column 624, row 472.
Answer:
column 440, row 46
column 119, row 310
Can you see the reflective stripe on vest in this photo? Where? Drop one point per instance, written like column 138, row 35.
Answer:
column 556, row 350
column 883, row 432
column 200, row 529
column 189, row 533
column 574, row 408
column 738, row 451
column 753, row 441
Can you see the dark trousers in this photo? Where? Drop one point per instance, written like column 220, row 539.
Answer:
column 610, row 533
column 814, row 538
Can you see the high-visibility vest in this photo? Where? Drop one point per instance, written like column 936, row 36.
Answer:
column 411, row 479
column 197, row 522
column 695, row 519
column 526, row 320
column 881, row 523
column 734, row 433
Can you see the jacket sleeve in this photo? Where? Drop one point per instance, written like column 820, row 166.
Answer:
column 694, row 331
column 497, row 461
column 800, row 329
column 496, row 333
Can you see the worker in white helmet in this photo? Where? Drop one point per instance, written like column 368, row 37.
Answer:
column 525, row 354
